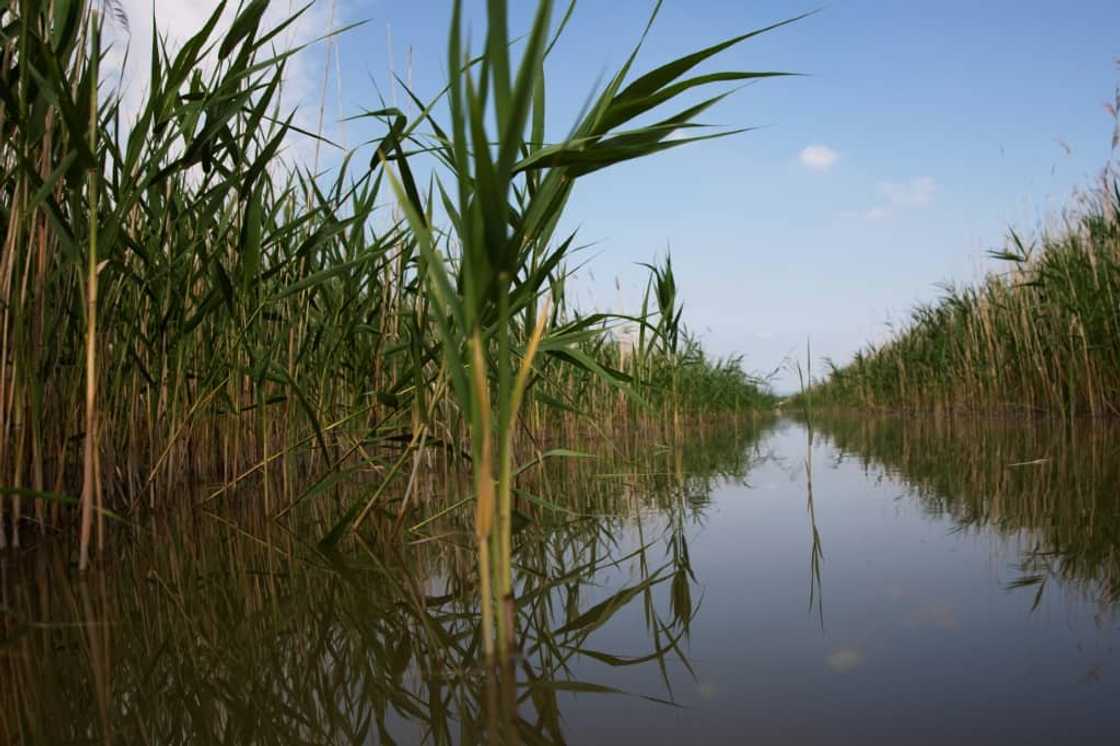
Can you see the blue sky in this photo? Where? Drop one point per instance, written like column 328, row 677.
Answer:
column 933, row 127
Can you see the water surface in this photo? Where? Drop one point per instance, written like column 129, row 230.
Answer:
column 871, row 581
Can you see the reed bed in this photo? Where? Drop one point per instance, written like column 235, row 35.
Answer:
column 1041, row 337
column 179, row 306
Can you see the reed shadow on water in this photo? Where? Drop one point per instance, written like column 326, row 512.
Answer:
column 226, row 625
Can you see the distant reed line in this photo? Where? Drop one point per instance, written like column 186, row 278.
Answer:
column 1043, row 336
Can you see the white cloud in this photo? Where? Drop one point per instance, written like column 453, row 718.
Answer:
column 918, row 192
column 818, row 157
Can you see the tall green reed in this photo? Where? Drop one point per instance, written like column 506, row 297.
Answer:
column 510, row 192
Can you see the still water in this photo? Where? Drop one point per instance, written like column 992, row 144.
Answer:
column 863, row 581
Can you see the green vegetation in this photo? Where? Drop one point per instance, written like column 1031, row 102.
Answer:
column 179, row 306
column 1041, row 337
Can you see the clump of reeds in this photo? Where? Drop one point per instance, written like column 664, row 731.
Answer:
column 179, row 306
column 1043, row 336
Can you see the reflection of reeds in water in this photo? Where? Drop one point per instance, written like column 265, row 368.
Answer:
column 1052, row 488
column 230, row 627
column 816, row 547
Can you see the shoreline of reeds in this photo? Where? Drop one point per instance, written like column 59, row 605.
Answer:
column 1038, row 339
column 179, row 307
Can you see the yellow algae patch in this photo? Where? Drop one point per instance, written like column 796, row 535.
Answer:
column 843, row 660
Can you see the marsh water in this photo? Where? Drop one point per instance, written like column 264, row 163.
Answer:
column 898, row 581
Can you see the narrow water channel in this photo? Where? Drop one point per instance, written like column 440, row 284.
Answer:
column 863, row 581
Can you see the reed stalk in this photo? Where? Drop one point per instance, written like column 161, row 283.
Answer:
column 90, row 490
